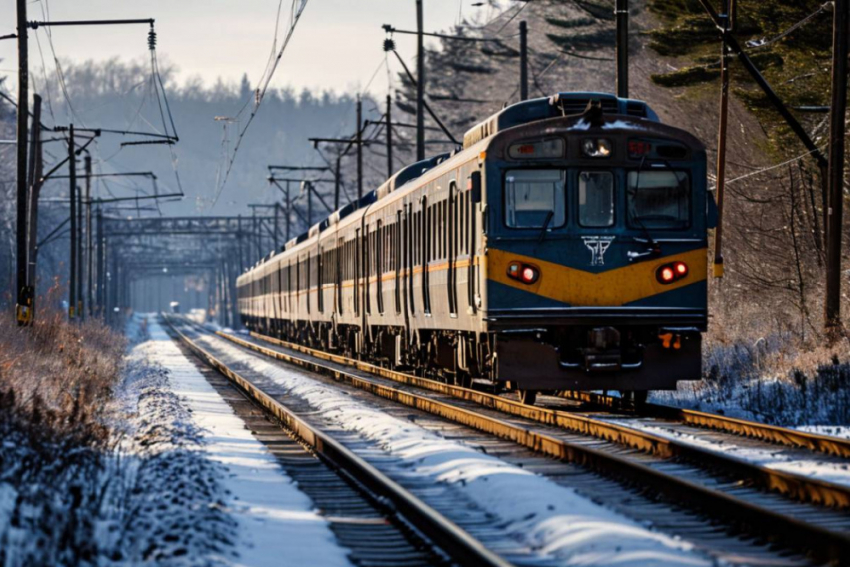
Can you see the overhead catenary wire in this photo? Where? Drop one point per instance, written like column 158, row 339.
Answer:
column 298, row 7
column 772, row 167
column 760, row 43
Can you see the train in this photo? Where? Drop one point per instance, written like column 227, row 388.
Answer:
column 563, row 247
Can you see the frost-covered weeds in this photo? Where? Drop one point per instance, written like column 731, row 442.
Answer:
column 777, row 377
column 99, row 461
column 56, row 382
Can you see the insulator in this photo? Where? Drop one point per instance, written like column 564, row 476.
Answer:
column 152, row 39
column 389, row 44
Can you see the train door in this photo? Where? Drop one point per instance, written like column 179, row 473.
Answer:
column 451, row 253
column 357, row 271
column 397, row 252
column 338, row 288
column 473, row 198
column 320, row 283
column 426, row 254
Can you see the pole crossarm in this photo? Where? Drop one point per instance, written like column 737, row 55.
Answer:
column 297, row 168
column 341, row 141
column 99, row 131
column 34, row 25
column 398, row 125
column 391, row 30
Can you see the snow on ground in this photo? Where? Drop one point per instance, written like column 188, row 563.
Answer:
column 840, row 431
column 550, row 518
column 777, row 458
column 216, row 478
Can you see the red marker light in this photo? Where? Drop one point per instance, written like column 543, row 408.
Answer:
column 669, row 273
column 523, row 272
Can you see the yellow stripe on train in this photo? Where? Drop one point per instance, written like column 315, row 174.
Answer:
column 610, row 288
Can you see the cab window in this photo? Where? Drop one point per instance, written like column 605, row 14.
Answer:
column 534, row 195
column 658, row 199
column 596, row 198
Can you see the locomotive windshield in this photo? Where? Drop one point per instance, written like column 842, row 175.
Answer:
column 596, row 198
column 532, row 196
column 659, row 199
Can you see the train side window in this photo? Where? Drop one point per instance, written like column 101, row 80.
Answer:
column 596, row 198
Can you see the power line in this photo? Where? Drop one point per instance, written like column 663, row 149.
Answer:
column 261, row 92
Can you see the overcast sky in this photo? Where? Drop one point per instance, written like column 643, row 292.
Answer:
column 337, row 44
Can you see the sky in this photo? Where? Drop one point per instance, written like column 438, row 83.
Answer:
column 337, row 44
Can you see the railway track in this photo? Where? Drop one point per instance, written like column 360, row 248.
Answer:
column 373, row 540
column 742, row 427
column 807, row 513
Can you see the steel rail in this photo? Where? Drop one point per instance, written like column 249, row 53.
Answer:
column 797, row 487
column 450, row 538
column 822, row 544
column 743, row 427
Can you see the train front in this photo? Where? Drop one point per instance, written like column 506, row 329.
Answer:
column 596, row 252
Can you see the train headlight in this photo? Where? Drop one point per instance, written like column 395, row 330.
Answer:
column 596, row 147
column 525, row 273
column 669, row 273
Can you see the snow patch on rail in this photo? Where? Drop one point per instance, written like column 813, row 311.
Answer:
column 777, row 457
column 545, row 516
column 277, row 523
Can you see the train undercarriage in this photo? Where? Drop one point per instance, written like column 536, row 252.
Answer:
column 630, row 359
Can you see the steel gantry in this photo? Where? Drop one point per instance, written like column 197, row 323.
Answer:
column 133, row 255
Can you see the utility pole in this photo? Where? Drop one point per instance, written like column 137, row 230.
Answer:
column 80, row 257
column 23, row 305
column 276, row 242
column 728, row 25
column 622, row 14
column 359, row 148
column 72, row 272
column 523, row 60
column 832, row 303
column 390, row 167
column 288, row 213
column 89, row 248
column 337, row 182
column 420, row 85
column 101, row 250
column 34, row 183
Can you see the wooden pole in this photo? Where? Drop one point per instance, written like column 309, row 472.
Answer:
column 72, row 188
column 22, row 308
column 721, row 139
column 523, row 60
column 832, row 304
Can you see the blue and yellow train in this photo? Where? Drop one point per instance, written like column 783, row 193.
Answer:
column 564, row 247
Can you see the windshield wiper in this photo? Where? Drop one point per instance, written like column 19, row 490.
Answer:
column 653, row 249
column 549, row 217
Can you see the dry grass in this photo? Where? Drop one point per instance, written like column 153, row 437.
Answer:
column 56, row 385
column 59, row 374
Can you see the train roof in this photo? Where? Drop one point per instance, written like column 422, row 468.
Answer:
column 525, row 112
column 560, row 104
